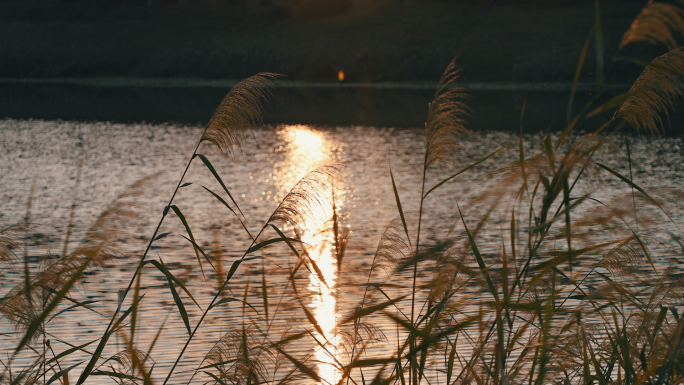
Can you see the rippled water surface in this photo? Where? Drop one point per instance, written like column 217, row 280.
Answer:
column 259, row 176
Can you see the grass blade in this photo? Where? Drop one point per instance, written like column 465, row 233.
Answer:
column 61, row 373
column 198, row 247
column 162, row 235
column 179, row 304
column 289, row 244
column 370, row 310
column 192, row 238
column 401, row 210
column 77, row 304
column 218, row 178
column 169, row 276
column 212, row 375
column 269, row 242
column 629, row 182
column 87, row 371
column 231, row 210
column 478, row 256
column 303, row 368
column 71, row 350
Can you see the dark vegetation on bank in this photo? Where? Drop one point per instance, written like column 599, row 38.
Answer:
column 371, row 40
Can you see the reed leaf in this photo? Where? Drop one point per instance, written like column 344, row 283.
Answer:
column 370, row 310
column 179, row 304
column 300, row 365
column 95, row 357
column 399, row 208
column 195, row 246
column 218, row 178
column 62, row 373
column 171, row 278
column 262, row 244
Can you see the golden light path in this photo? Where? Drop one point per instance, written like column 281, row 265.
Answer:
column 306, row 150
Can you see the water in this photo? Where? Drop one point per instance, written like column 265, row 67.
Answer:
column 268, row 165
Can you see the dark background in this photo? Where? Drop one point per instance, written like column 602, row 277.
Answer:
column 372, row 41
column 309, row 41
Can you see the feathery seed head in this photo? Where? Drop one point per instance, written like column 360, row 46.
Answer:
column 239, row 111
column 655, row 92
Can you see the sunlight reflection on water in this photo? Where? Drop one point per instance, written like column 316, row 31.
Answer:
column 305, row 151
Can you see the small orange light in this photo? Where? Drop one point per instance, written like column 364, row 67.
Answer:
column 340, row 75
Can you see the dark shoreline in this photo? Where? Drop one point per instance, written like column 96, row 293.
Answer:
column 228, row 83
column 493, row 110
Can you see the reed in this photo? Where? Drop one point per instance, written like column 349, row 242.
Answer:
column 575, row 292
column 658, row 23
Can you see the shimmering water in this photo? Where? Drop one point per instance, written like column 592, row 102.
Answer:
column 266, row 168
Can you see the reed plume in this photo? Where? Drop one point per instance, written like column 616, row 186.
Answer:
column 445, row 124
column 303, row 206
column 240, row 110
column 10, row 239
column 628, row 256
column 124, row 367
column 658, row 22
column 451, row 271
column 655, row 92
column 360, row 333
column 241, row 358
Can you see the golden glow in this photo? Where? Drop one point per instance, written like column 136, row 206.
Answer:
column 340, row 75
column 305, row 150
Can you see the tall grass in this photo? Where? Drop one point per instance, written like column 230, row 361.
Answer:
column 575, row 290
